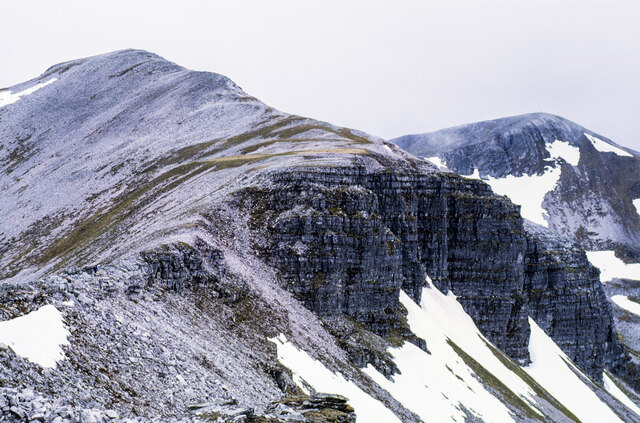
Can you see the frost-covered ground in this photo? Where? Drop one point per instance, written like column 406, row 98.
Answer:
column 136, row 154
column 37, row 336
column 127, row 129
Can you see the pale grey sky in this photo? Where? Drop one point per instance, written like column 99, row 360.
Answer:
column 386, row 67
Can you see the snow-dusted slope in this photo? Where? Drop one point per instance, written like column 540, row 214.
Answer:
column 117, row 132
column 564, row 176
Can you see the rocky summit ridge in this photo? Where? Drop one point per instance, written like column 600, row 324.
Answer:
column 201, row 247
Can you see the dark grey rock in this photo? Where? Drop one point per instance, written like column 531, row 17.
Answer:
column 368, row 235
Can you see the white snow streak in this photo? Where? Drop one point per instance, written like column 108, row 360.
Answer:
column 554, row 371
column 7, row 97
column 435, row 385
column 37, row 336
column 562, row 149
column 624, row 302
column 612, row 267
column 309, row 372
column 613, row 389
column 436, row 161
column 636, row 204
column 604, row 147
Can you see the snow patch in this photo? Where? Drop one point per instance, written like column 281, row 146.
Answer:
column 435, row 385
column 624, row 302
column 562, row 149
column 554, row 371
column 613, row 389
column 612, row 267
column 636, row 204
column 7, row 97
column 474, row 175
column 308, row 372
column 388, row 148
column 436, row 161
column 37, row 336
column 605, row 147
column 527, row 191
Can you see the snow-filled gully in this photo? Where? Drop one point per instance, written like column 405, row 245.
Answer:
column 446, row 384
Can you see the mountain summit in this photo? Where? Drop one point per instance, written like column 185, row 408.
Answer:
column 588, row 184
column 173, row 249
column 92, row 140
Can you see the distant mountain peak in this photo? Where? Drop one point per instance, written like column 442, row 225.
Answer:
column 592, row 179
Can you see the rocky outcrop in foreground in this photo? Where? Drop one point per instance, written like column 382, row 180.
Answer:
column 26, row 406
column 317, row 408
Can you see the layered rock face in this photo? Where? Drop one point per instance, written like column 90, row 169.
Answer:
column 567, row 300
column 347, row 241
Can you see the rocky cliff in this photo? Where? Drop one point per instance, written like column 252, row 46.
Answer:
column 347, row 241
column 196, row 239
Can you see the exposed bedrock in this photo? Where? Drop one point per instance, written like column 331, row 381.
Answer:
column 347, row 240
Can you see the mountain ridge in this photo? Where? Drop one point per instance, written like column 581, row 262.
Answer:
column 201, row 247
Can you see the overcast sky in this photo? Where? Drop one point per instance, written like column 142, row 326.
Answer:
column 389, row 68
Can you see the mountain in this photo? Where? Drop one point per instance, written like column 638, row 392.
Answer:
column 566, row 177
column 171, row 248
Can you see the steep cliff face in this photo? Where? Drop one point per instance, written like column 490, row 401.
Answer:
column 567, row 300
column 347, row 241
column 592, row 181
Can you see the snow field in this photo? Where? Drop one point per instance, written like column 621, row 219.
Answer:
column 562, row 149
column 528, row 191
column 612, row 267
column 605, row 147
column 436, row 161
column 554, row 371
column 436, row 385
column 37, row 336
column 613, row 389
column 7, row 97
column 636, row 204
column 308, row 372
column 441, row 386
column 624, row 302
